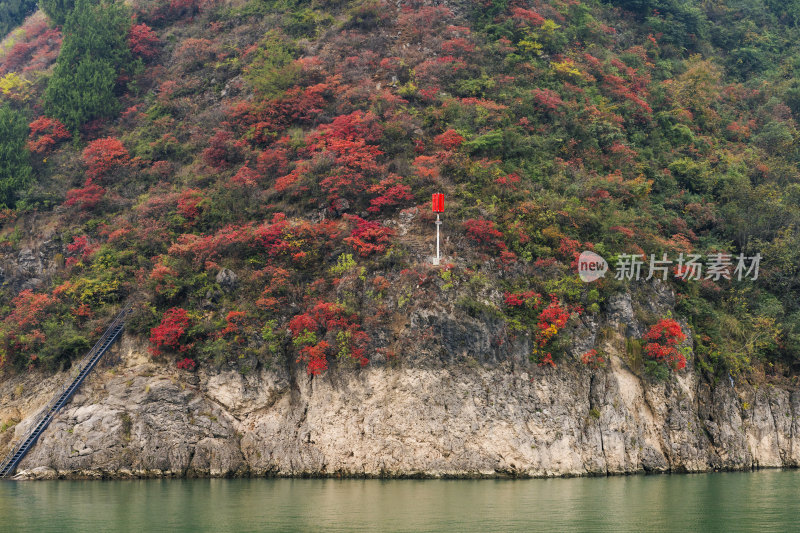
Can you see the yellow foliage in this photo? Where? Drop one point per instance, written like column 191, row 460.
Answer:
column 699, row 86
column 566, row 68
column 15, row 87
column 93, row 290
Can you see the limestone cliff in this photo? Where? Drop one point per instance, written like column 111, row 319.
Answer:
column 136, row 418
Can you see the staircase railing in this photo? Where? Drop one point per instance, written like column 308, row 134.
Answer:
column 63, row 395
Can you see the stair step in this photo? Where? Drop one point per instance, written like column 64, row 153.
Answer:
column 91, row 358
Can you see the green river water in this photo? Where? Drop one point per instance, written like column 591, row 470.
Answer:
column 757, row 501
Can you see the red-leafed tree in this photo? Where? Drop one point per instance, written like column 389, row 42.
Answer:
column 326, row 330
column 369, row 237
column 85, row 198
column 171, row 332
column 485, row 233
column 449, row 140
column 663, row 340
column 245, row 177
column 45, row 134
column 143, row 41
column 104, row 156
column 190, row 204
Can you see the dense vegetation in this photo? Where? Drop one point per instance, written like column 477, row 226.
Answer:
column 13, row 12
column 257, row 174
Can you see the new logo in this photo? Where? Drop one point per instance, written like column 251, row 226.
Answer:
column 591, row 266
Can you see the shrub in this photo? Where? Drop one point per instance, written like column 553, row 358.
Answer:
column 186, row 364
column 449, row 140
column 272, row 69
column 593, row 359
column 23, row 329
column 663, row 339
column 369, row 237
column 485, row 233
column 45, row 134
column 86, row 198
column 104, row 156
column 170, row 333
column 190, row 203
column 327, row 321
column 143, row 41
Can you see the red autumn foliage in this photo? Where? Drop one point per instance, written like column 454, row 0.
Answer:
column 326, row 320
column 274, row 161
column 245, row 177
column 189, row 204
column 547, row 360
column 233, row 324
column 163, row 278
column 143, row 41
column 170, row 332
column 526, row 16
column 553, row 315
column 104, row 156
column 29, row 308
column 36, row 50
column 79, row 249
column 527, row 298
column 570, row 249
column 427, row 167
column 195, row 53
column 299, row 105
column 457, row 46
column 591, row 358
column 547, row 99
column 346, row 141
column 24, row 335
column 664, row 337
column 45, row 134
column 485, row 233
column 369, row 237
column 222, row 150
column 186, row 364
column 85, row 198
column 449, row 140
column 316, row 357
column 273, row 295
column 391, row 193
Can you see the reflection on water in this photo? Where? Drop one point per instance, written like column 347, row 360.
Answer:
column 764, row 501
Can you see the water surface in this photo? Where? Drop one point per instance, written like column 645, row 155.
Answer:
column 759, row 501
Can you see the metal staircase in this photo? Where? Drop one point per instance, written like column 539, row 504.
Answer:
column 62, row 397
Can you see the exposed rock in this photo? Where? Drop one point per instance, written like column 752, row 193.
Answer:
column 227, row 279
column 498, row 418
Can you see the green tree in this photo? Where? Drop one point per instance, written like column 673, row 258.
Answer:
column 94, row 53
column 13, row 12
column 15, row 166
column 57, row 10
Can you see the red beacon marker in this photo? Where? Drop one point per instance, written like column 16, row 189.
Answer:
column 437, row 202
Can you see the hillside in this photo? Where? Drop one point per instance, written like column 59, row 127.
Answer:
column 257, row 175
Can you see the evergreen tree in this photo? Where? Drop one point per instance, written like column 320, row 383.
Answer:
column 15, row 166
column 13, row 12
column 94, row 53
column 57, row 10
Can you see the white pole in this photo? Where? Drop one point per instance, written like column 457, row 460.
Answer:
column 438, row 223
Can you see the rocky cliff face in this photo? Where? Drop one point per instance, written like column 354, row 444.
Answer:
column 134, row 418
